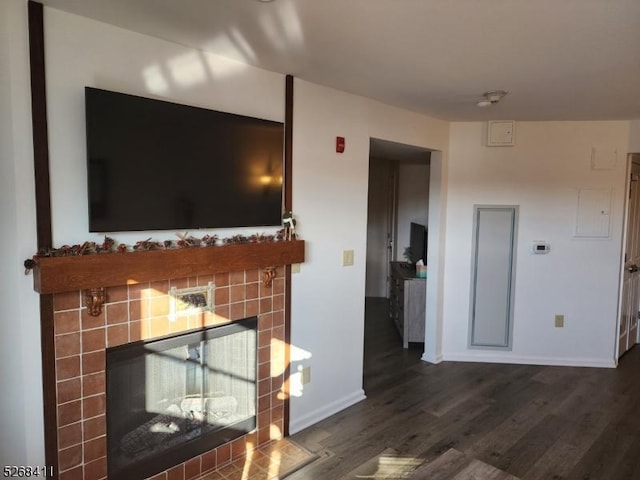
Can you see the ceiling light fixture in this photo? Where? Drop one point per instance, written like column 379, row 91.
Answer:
column 490, row 98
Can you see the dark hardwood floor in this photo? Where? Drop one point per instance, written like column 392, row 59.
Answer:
column 534, row 422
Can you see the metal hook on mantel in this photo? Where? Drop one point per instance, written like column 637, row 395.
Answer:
column 94, row 299
column 268, row 274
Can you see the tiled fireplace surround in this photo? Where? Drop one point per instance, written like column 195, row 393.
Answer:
column 140, row 312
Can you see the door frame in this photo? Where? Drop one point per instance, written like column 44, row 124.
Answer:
column 631, row 158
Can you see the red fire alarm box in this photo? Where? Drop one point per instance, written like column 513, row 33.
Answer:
column 340, row 144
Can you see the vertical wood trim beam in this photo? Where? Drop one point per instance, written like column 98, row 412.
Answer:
column 43, row 222
column 288, row 205
column 39, row 124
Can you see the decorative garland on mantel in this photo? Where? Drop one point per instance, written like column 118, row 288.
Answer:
column 185, row 241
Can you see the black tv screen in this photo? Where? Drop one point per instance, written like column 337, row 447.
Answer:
column 157, row 165
column 418, row 242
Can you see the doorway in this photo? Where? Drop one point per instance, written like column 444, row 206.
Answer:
column 630, row 302
column 398, row 198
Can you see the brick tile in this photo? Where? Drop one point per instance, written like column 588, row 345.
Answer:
column 70, row 435
column 96, row 470
column 67, row 345
column 66, row 301
column 66, row 322
column 159, row 327
column 159, row 306
column 221, row 279
column 159, row 288
column 208, row 461
column 93, row 362
column 136, row 308
column 179, row 283
column 252, row 290
column 278, row 286
column 93, row 384
column 176, row 473
column 222, row 311
column 236, row 311
column 236, row 278
column 203, row 280
column 221, row 296
column 252, row 308
column 94, row 427
column 89, row 322
column 69, row 390
column 118, row 313
column 94, row 449
column 223, row 454
column 192, row 468
column 237, row 293
column 136, row 331
column 94, row 406
column 74, row 474
column 252, row 276
column 69, row 413
column 69, row 457
column 93, row 340
column 68, row 367
column 117, row 294
column 266, row 304
column 117, row 335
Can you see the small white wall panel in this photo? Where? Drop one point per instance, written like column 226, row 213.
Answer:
column 593, row 219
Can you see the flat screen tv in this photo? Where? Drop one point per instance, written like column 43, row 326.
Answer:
column 157, row 165
column 418, row 243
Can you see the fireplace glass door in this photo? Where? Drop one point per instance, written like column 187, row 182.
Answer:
column 171, row 399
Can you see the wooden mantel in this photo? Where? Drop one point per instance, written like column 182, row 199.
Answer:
column 62, row 274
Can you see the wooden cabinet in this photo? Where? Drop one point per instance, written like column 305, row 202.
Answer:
column 407, row 302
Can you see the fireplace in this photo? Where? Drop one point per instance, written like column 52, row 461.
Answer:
column 142, row 312
column 179, row 396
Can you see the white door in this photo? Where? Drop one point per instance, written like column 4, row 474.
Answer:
column 631, row 281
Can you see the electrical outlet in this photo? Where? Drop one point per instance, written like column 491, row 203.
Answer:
column 559, row 321
column 306, row 375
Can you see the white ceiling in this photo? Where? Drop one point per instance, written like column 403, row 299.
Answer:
column 558, row 59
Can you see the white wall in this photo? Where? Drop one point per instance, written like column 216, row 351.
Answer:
column 21, row 421
column 579, row 278
column 330, row 200
column 413, row 202
column 81, row 52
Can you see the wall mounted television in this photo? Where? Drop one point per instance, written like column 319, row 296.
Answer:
column 418, row 242
column 157, row 165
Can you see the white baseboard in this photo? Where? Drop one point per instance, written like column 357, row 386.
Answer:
column 435, row 360
column 305, row 421
column 550, row 361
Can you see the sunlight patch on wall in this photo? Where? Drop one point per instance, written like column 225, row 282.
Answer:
column 220, row 68
column 155, row 80
column 187, row 70
column 242, row 44
column 283, row 31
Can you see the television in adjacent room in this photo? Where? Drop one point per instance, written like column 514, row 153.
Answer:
column 418, row 243
column 157, row 165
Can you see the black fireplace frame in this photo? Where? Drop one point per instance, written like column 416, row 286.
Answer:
column 154, row 464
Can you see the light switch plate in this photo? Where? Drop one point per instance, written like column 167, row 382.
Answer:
column 347, row 258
